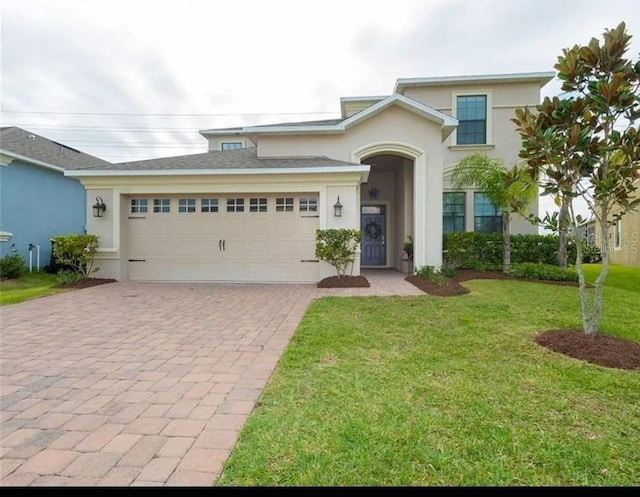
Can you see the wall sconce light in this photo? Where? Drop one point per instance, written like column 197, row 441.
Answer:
column 337, row 208
column 99, row 207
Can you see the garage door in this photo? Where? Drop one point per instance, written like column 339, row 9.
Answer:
column 222, row 238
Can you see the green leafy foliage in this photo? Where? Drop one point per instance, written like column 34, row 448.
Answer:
column 429, row 273
column 12, row 266
column 483, row 251
column 587, row 144
column 540, row 271
column 338, row 247
column 76, row 252
column 510, row 190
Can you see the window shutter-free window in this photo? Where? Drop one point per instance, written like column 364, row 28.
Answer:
column 471, row 113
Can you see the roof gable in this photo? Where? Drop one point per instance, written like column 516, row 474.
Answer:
column 445, row 121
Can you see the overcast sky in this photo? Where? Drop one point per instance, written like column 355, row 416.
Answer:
column 136, row 79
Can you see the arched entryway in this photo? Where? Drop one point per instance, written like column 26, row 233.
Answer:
column 387, row 203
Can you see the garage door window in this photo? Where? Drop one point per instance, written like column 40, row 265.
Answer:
column 187, row 205
column 138, row 205
column 284, row 204
column 257, row 205
column 209, row 205
column 235, row 205
column 308, row 204
column 161, row 205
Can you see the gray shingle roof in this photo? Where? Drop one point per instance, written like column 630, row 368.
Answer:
column 22, row 142
column 243, row 158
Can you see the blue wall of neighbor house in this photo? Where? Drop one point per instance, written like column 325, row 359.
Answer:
column 36, row 204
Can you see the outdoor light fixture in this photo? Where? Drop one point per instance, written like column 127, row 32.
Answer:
column 337, row 208
column 99, row 207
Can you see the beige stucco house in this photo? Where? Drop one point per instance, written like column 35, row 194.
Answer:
column 624, row 237
column 248, row 208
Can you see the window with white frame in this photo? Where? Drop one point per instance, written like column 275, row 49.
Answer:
column 235, row 204
column 308, row 204
column 161, row 205
column 231, row 145
column 486, row 217
column 617, row 235
column 209, row 205
column 139, row 205
column 284, row 204
column 471, row 112
column 453, row 207
column 186, row 205
column 258, row 204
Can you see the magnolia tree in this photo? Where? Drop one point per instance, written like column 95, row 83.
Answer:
column 587, row 145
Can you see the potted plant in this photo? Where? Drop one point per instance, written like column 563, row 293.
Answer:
column 408, row 248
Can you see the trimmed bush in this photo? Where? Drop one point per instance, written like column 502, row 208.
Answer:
column 483, row 251
column 12, row 266
column 76, row 253
column 540, row 271
column 338, row 247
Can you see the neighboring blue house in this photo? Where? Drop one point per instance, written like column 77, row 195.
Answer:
column 37, row 201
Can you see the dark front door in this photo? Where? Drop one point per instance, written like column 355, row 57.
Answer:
column 373, row 227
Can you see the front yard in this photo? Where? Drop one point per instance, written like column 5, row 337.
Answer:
column 449, row 391
column 28, row 286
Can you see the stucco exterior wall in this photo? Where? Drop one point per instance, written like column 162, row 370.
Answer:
column 115, row 190
column 36, row 204
column 627, row 252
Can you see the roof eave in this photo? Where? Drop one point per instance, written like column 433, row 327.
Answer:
column 31, row 160
column 540, row 77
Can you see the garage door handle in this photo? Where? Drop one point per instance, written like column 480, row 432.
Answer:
column 137, row 260
column 220, row 245
column 223, row 245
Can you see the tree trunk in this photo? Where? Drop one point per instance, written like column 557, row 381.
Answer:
column 563, row 218
column 506, row 242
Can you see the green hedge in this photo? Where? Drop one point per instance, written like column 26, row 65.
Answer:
column 470, row 249
column 539, row 271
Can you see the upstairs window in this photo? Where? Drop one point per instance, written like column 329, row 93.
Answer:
column 453, row 206
column 471, row 113
column 231, row 145
column 487, row 219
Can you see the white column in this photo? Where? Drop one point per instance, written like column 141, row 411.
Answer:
column 427, row 199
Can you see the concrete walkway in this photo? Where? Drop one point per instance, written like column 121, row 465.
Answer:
column 143, row 384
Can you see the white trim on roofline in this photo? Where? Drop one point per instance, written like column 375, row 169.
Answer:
column 447, row 122
column 30, row 160
column 363, row 168
column 541, row 77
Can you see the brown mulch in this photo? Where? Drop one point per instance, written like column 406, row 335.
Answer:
column 452, row 287
column 85, row 283
column 344, row 282
column 601, row 349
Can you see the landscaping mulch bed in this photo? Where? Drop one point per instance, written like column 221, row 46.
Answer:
column 344, row 282
column 453, row 287
column 601, row 349
column 85, row 283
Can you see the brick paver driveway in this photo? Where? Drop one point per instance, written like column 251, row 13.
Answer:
column 141, row 383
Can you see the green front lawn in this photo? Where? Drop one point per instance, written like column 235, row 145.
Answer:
column 624, row 277
column 28, row 286
column 452, row 391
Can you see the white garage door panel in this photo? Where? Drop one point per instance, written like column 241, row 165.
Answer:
column 222, row 246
